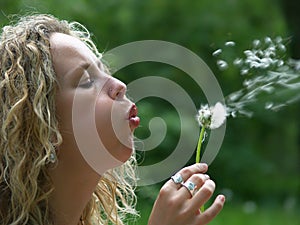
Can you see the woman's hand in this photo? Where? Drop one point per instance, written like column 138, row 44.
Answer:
column 175, row 204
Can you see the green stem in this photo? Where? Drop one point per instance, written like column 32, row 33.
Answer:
column 198, row 153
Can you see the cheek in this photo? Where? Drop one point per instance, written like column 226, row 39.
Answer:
column 109, row 122
column 103, row 120
column 113, row 128
column 64, row 112
column 94, row 134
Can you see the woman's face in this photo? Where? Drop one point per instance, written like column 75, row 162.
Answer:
column 93, row 112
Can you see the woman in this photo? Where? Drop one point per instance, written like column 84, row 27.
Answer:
column 54, row 90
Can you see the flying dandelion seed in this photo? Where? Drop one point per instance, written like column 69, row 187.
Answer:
column 217, row 52
column 223, row 65
column 256, row 43
column 230, row 43
column 270, row 77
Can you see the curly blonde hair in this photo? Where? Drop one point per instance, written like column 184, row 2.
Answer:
column 29, row 130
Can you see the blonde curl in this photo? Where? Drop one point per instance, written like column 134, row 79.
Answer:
column 29, row 130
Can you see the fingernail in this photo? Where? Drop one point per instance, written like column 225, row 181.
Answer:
column 206, row 176
column 222, row 198
column 203, row 165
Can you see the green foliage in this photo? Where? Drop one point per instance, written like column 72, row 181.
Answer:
column 249, row 213
column 259, row 159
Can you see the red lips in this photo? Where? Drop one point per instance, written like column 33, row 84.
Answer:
column 134, row 120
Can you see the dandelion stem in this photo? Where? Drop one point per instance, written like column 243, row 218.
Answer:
column 198, row 153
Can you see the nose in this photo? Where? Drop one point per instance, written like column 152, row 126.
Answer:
column 117, row 89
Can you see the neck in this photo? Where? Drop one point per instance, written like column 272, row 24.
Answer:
column 69, row 200
column 74, row 183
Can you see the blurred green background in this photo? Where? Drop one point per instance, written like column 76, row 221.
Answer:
column 258, row 166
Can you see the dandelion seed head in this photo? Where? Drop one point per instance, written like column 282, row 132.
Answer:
column 218, row 115
column 212, row 117
column 204, row 116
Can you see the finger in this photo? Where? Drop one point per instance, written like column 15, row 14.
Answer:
column 213, row 210
column 198, row 180
column 187, row 172
column 203, row 195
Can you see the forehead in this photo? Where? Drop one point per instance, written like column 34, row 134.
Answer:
column 69, row 52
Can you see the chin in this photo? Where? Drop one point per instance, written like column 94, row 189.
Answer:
column 125, row 148
column 125, row 153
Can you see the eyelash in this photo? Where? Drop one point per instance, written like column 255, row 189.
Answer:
column 87, row 84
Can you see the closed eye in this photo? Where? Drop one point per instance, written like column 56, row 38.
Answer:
column 90, row 70
column 87, row 84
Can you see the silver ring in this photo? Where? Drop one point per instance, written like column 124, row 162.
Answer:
column 190, row 186
column 177, row 178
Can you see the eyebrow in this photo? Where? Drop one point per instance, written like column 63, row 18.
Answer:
column 86, row 65
column 76, row 72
